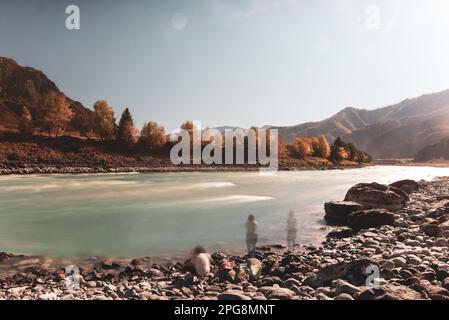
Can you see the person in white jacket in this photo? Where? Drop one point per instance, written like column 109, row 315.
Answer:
column 201, row 261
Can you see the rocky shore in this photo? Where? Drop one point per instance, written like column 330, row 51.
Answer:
column 70, row 155
column 192, row 168
column 400, row 231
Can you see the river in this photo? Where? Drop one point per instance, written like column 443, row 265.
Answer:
column 129, row 215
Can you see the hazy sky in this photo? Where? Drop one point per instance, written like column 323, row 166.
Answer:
column 234, row 62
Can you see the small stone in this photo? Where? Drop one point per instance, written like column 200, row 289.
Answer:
column 343, row 296
column 277, row 293
column 322, row 296
column 414, row 260
column 110, row 287
column 233, row 295
column 255, row 268
column 399, row 262
column 48, row 296
column 292, row 282
column 155, row 273
column 342, row 286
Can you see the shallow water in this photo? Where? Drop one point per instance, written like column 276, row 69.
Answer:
column 168, row 213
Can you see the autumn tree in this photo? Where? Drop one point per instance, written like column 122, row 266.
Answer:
column 126, row 132
column 354, row 153
column 339, row 150
column 152, row 135
column 55, row 113
column 322, row 148
column 301, row 148
column 313, row 144
column 26, row 126
column 357, row 155
column 104, row 120
column 84, row 123
column 282, row 147
column 188, row 126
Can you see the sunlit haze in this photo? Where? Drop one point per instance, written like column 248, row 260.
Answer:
column 241, row 63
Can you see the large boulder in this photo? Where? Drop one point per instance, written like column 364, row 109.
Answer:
column 375, row 195
column 337, row 212
column 398, row 292
column 407, row 185
column 372, row 218
column 355, row 272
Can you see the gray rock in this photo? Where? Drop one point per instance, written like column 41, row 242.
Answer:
column 377, row 196
column 431, row 230
column 354, row 272
column 233, row 295
column 322, row 296
column 343, row 296
column 373, row 218
column 337, row 212
column 292, row 282
column 277, row 293
column 399, row 262
column 255, row 268
column 408, row 186
column 398, row 292
column 155, row 273
column 341, row 233
column 342, row 286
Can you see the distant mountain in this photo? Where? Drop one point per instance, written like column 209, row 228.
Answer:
column 439, row 150
column 396, row 131
column 24, row 86
column 408, row 127
column 223, row 128
column 345, row 122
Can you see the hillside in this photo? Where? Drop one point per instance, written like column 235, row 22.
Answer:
column 396, row 131
column 344, row 122
column 407, row 128
column 439, row 150
column 24, row 86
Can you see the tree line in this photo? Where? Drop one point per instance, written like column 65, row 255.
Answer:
column 320, row 147
column 55, row 117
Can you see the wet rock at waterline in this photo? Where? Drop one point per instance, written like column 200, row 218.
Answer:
column 377, row 196
column 407, row 185
column 337, row 212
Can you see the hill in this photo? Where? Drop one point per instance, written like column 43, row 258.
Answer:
column 396, row 131
column 24, row 86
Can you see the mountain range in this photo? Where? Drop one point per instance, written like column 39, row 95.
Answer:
column 395, row 131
